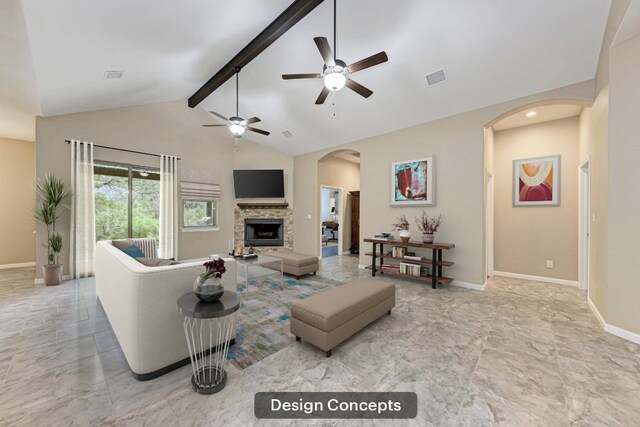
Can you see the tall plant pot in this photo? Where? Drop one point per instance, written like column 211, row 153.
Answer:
column 52, row 274
column 427, row 237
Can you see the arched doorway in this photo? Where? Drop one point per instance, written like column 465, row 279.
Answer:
column 339, row 203
column 527, row 133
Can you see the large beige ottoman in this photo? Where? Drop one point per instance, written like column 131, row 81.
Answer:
column 294, row 263
column 330, row 317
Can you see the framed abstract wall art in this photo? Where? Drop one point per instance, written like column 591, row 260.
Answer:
column 412, row 183
column 536, row 181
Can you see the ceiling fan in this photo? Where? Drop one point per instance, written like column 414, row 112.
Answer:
column 335, row 72
column 237, row 125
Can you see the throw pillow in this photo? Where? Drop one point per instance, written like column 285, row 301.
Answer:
column 122, row 244
column 133, row 251
column 156, row 262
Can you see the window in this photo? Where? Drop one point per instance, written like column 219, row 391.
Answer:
column 199, row 214
column 127, row 200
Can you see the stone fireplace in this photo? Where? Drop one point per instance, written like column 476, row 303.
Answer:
column 263, row 226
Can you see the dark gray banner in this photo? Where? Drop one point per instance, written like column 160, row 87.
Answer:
column 336, row 405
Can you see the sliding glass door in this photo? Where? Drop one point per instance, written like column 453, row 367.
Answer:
column 127, row 199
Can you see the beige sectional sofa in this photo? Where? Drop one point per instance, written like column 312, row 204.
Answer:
column 140, row 303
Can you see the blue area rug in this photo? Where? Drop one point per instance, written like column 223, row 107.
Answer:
column 265, row 313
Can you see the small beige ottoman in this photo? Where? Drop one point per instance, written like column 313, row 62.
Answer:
column 294, row 263
column 330, row 317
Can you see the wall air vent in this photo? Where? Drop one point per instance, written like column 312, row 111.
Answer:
column 113, row 74
column 436, row 77
column 287, row 134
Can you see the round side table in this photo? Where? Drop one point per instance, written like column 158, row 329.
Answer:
column 208, row 328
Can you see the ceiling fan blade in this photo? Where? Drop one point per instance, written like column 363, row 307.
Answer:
column 376, row 59
column 251, row 120
column 301, row 76
column 260, row 131
column 323, row 95
column 325, row 50
column 219, row 115
column 358, row 88
column 211, row 126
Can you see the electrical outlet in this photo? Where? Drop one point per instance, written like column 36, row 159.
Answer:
column 308, row 216
column 549, row 263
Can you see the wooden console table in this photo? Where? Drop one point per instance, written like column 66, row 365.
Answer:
column 436, row 263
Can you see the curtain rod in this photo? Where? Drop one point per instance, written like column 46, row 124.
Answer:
column 123, row 149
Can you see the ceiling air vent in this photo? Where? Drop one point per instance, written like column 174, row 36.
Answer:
column 436, row 77
column 287, row 134
column 114, row 74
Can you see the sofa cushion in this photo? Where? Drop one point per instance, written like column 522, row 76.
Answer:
column 330, row 309
column 156, row 262
column 294, row 258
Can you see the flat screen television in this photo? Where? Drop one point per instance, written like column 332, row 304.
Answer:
column 258, row 183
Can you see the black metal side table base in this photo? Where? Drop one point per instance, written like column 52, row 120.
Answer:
column 213, row 380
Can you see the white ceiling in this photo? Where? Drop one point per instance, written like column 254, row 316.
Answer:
column 493, row 51
column 544, row 113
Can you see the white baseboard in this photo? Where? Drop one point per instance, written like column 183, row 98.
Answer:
column 536, row 278
column 41, row 281
column 613, row 330
column 596, row 312
column 346, row 253
column 623, row 333
column 19, row 265
column 467, row 285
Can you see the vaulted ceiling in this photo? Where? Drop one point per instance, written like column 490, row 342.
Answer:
column 492, row 51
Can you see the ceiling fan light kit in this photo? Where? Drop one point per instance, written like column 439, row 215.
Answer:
column 335, row 72
column 236, row 124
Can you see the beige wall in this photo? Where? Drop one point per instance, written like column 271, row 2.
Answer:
column 457, row 143
column 594, row 146
column 251, row 155
column 17, row 200
column 336, row 172
column 526, row 237
column 489, row 148
column 624, row 201
column 165, row 128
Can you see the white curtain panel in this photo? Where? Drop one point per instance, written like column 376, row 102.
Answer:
column 82, row 238
column 168, row 246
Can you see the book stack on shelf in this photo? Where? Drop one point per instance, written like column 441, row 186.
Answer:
column 410, row 269
column 398, row 252
column 390, row 267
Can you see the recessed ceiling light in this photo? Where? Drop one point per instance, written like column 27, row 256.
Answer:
column 113, row 74
column 531, row 113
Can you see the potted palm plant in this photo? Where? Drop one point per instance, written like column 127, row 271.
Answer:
column 53, row 196
column 428, row 225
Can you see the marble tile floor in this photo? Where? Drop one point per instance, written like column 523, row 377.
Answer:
column 520, row 353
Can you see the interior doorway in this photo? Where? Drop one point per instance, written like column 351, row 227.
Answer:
column 332, row 221
column 489, row 223
column 584, row 233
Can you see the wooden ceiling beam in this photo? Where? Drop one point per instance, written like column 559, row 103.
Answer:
column 285, row 21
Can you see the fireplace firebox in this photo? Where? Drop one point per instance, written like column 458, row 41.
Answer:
column 264, row 232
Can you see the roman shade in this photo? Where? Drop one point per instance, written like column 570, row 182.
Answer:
column 199, row 191
column 199, row 185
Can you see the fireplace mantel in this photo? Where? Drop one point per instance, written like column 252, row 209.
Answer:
column 264, row 205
